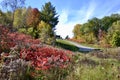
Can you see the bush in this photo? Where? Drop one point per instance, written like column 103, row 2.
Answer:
column 13, row 68
column 43, row 58
column 116, row 39
column 22, row 30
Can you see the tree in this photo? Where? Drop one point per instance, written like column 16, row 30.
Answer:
column 13, row 5
column 8, row 17
column 76, row 31
column 32, row 20
column 95, row 25
column 67, row 37
column 5, row 18
column 115, row 26
column 2, row 17
column 116, row 39
column 111, row 31
column 49, row 15
column 19, row 18
column 107, row 21
column 45, row 33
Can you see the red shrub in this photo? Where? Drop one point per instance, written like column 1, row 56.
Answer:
column 41, row 57
column 45, row 57
column 5, row 42
column 9, row 40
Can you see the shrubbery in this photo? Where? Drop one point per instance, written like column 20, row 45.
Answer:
column 40, row 56
column 116, row 38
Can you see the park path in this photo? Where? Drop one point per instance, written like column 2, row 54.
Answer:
column 81, row 47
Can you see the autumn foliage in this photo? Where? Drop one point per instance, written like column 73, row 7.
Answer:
column 41, row 56
column 33, row 17
column 45, row 57
column 5, row 41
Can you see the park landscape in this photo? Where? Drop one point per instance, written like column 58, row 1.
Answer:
column 30, row 49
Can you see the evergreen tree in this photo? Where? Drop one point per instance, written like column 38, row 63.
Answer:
column 49, row 15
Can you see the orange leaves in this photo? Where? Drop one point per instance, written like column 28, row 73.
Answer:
column 33, row 17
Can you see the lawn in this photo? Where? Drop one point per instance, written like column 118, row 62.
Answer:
column 96, row 66
column 66, row 45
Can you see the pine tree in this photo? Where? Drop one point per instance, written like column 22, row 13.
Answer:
column 49, row 15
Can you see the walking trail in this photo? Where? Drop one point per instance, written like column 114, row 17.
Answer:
column 81, row 47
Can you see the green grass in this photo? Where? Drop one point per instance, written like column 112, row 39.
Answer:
column 91, row 45
column 93, row 68
column 66, row 45
column 86, row 67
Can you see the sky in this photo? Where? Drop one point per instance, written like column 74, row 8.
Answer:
column 72, row 12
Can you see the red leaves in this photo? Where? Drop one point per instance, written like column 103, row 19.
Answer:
column 4, row 39
column 9, row 40
column 40, row 56
column 46, row 57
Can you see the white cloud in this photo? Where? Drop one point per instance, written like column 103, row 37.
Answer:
column 108, row 8
column 63, row 16
column 66, row 23
column 62, row 26
column 66, row 26
column 65, row 29
column 90, row 11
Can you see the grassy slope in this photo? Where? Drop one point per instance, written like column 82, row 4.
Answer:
column 95, row 66
column 66, row 45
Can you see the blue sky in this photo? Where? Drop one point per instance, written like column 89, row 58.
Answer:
column 72, row 12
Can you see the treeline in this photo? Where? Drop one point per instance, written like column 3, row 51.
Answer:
column 105, row 31
column 39, row 24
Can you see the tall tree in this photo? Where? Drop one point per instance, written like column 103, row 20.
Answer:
column 19, row 18
column 45, row 32
column 77, row 31
column 2, row 17
column 49, row 15
column 5, row 18
column 9, row 17
column 116, row 39
column 13, row 5
column 32, row 20
column 95, row 25
column 111, row 31
column 33, row 17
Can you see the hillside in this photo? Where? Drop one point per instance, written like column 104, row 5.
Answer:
column 59, row 40
column 22, row 54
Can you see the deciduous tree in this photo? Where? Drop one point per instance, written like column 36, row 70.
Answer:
column 45, row 32
column 13, row 5
column 32, row 20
